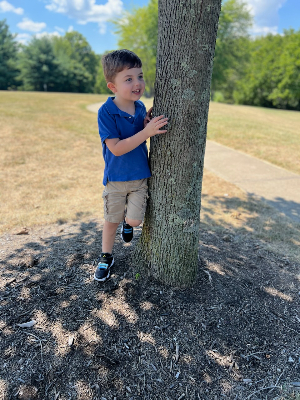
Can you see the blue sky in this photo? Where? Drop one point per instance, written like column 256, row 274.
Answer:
column 91, row 18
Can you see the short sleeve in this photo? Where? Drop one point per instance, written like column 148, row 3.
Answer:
column 144, row 110
column 107, row 125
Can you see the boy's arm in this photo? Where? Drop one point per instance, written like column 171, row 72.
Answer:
column 119, row 147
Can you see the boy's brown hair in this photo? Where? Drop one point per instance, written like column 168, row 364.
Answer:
column 117, row 61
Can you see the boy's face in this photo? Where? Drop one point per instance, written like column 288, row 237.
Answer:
column 128, row 84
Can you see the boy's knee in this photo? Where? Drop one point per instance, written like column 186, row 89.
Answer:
column 133, row 222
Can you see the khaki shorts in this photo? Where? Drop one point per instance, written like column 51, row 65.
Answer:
column 120, row 196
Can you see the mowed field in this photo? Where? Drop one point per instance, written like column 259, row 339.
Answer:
column 51, row 164
column 51, row 158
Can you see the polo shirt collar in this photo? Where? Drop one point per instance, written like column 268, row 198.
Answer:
column 113, row 109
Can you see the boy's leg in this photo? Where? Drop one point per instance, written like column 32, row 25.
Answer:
column 114, row 199
column 106, row 259
column 137, row 194
column 108, row 236
column 133, row 222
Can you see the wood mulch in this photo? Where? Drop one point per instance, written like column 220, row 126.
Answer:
column 233, row 335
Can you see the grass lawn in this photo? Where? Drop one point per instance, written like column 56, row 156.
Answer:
column 51, row 164
column 268, row 134
column 51, row 158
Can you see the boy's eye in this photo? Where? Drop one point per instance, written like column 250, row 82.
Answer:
column 129, row 79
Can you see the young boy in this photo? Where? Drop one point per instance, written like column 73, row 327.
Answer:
column 124, row 127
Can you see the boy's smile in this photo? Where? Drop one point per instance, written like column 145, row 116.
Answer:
column 128, row 86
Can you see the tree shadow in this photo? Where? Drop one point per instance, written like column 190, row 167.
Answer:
column 246, row 215
column 289, row 208
column 231, row 335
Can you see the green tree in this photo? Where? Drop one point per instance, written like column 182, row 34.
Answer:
column 39, row 66
column 83, row 53
column 287, row 92
column 138, row 32
column 77, row 62
column 8, row 57
column 64, row 64
column 272, row 77
column 232, row 46
column 101, row 84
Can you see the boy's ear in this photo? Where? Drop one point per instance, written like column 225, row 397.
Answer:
column 111, row 87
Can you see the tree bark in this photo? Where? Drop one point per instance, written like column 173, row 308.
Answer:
column 169, row 243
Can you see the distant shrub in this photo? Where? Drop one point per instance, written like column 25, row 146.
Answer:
column 218, row 97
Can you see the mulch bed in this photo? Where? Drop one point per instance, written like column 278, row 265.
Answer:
column 233, row 335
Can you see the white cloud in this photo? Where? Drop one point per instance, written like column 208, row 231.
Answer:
column 265, row 14
column 47, row 34
column 264, row 30
column 84, row 11
column 5, row 6
column 23, row 37
column 28, row 25
column 124, row 20
column 59, row 29
column 70, row 29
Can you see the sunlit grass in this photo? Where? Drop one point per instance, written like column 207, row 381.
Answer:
column 51, row 158
column 268, row 134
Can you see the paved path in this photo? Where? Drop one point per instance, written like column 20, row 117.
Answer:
column 277, row 186
column 94, row 107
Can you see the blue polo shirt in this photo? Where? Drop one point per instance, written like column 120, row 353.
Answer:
column 116, row 124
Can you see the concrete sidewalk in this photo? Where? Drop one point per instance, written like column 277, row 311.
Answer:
column 277, row 186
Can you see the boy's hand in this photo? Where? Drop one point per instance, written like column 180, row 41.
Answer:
column 148, row 117
column 153, row 127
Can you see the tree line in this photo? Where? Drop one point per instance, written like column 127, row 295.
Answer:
column 262, row 71
column 61, row 64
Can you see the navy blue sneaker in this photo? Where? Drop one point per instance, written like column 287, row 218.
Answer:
column 106, row 261
column 126, row 232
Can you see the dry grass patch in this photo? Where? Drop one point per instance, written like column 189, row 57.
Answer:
column 51, row 158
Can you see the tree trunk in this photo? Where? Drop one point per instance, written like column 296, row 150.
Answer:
column 169, row 242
